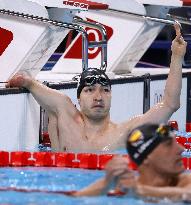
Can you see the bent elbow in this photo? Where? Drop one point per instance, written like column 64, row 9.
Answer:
column 178, row 106
column 174, row 107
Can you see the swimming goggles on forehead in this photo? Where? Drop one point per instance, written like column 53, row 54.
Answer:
column 100, row 79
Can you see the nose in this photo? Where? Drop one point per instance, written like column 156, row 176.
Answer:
column 97, row 95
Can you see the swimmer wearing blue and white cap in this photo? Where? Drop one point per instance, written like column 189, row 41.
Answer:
column 160, row 174
column 90, row 127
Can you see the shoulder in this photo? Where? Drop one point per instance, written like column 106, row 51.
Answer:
column 126, row 127
column 121, row 131
column 65, row 105
column 185, row 180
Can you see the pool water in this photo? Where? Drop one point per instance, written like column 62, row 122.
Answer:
column 57, row 179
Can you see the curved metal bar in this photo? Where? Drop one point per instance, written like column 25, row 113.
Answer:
column 155, row 19
column 180, row 19
column 102, row 43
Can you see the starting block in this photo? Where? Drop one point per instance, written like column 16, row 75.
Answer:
column 28, row 44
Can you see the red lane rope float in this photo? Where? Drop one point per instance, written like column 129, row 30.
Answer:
column 63, row 159
column 58, row 159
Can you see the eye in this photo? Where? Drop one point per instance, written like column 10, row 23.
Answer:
column 89, row 89
column 107, row 90
column 168, row 142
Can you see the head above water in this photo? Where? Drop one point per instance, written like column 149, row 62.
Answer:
column 144, row 139
column 90, row 77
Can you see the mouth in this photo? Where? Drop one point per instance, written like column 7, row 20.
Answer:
column 98, row 106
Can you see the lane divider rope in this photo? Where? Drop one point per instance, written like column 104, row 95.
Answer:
column 58, row 159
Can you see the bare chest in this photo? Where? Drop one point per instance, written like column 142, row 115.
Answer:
column 74, row 138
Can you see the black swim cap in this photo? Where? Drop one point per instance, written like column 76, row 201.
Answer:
column 144, row 139
column 90, row 77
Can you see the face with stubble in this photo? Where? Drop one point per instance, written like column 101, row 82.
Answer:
column 95, row 101
column 166, row 158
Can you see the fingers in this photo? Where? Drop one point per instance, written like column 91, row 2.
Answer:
column 180, row 40
column 117, row 163
column 179, row 37
column 115, row 171
column 117, row 160
column 177, row 27
column 15, row 81
column 7, row 85
column 116, row 167
column 18, row 80
column 118, row 173
column 124, row 168
column 128, row 175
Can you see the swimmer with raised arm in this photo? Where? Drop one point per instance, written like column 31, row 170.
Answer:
column 160, row 168
column 90, row 128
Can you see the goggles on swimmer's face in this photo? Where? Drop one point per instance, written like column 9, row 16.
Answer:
column 91, row 77
column 92, row 80
column 165, row 132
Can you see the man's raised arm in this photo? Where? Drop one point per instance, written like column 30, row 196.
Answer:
column 162, row 111
column 52, row 100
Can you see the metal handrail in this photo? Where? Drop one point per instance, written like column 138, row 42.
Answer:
column 93, row 44
column 151, row 18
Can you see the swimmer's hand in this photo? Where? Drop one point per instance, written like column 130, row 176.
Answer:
column 117, row 170
column 127, row 181
column 19, row 80
column 116, row 167
column 178, row 47
column 119, row 177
